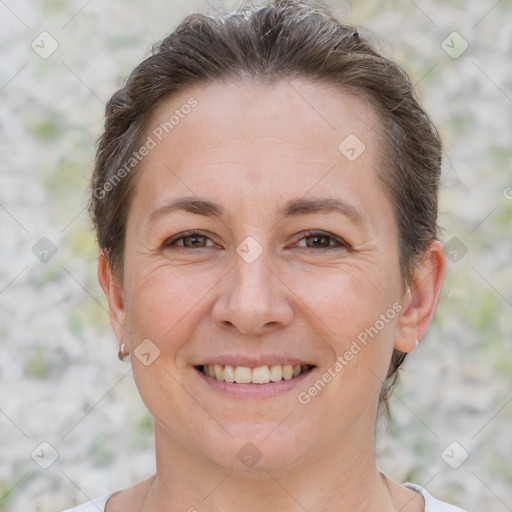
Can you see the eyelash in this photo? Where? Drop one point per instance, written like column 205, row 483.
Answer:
column 307, row 234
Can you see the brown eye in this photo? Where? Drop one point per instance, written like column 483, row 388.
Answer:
column 194, row 241
column 322, row 240
column 318, row 241
column 188, row 240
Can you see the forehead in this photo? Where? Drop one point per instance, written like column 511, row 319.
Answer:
column 250, row 142
column 241, row 112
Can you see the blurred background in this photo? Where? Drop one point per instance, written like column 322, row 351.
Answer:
column 72, row 425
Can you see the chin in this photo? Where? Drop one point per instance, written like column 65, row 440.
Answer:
column 264, row 446
column 254, row 452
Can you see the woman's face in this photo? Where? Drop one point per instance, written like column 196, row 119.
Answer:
column 294, row 262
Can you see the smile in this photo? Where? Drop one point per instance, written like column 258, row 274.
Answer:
column 257, row 375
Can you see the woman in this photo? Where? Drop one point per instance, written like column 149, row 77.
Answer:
column 265, row 201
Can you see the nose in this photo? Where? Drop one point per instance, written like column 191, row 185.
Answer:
column 253, row 299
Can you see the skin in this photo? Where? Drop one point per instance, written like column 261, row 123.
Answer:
column 251, row 148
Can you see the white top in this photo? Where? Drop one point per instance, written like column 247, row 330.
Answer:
column 431, row 504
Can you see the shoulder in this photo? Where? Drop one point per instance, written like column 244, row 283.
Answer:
column 95, row 505
column 125, row 500
column 431, row 503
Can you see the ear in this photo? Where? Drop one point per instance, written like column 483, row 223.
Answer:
column 114, row 294
column 421, row 298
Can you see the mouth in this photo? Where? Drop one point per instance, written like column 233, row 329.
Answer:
column 257, row 375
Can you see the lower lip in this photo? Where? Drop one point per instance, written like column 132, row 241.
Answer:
column 271, row 389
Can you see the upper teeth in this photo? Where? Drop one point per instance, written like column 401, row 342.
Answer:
column 258, row 375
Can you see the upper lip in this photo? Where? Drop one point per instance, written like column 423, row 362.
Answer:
column 252, row 361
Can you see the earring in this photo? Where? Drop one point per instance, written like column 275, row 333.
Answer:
column 122, row 354
column 417, row 343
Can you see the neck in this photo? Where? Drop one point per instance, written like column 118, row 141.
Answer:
column 340, row 476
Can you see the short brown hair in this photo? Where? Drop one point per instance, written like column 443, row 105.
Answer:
column 279, row 40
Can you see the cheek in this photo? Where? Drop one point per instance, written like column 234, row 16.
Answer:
column 347, row 299
column 164, row 302
column 358, row 313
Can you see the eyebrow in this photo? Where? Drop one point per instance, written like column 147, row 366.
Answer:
column 291, row 208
